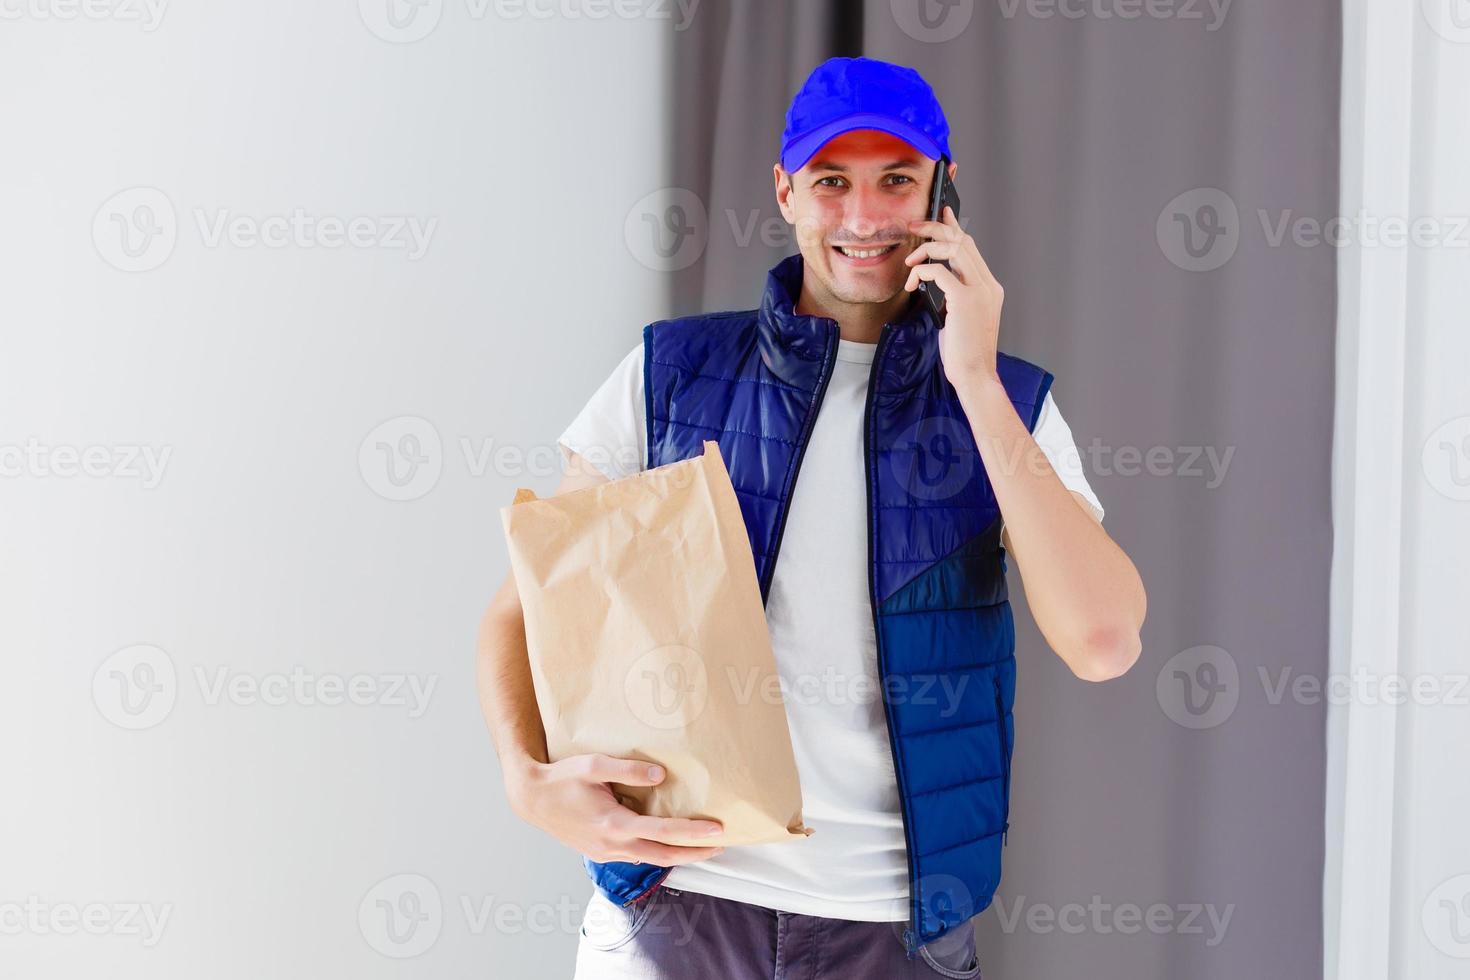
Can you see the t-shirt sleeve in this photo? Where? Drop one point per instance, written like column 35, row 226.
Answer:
column 610, row 431
column 1054, row 436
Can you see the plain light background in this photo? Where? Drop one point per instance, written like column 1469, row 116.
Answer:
column 1397, row 893
column 263, row 828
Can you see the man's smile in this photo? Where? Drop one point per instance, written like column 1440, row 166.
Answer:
column 866, row 255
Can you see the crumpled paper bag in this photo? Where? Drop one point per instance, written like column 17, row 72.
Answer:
column 648, row 640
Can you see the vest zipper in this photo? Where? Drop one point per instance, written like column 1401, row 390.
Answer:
column 1005, row 762
column 910, row 935
column 802, row 439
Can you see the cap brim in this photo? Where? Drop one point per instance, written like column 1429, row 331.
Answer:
column 805, row 146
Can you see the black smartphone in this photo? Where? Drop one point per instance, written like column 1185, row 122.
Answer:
column 942, row 192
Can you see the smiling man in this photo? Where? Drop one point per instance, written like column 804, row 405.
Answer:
column 874, row 452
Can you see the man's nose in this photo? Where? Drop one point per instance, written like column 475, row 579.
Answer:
column 863, row 215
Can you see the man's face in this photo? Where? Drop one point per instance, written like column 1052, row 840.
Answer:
column 851, row 205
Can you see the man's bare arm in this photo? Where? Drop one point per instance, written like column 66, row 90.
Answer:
column 571, row 799
column 1082, row 589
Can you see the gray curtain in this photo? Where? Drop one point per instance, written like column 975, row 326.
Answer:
column 1167, row 824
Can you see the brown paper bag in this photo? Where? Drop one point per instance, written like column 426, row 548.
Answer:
column 647, row 640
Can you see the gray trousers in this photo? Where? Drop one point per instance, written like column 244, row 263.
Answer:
column 678, row 935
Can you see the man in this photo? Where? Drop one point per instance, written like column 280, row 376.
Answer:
column 910, row 442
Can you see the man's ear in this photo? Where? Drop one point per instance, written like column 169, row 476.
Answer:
column 952, row 168
column 783, row 193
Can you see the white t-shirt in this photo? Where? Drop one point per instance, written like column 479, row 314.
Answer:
column 820, row 616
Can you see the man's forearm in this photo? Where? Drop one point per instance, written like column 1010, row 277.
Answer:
column 507, row 694
column 1082, row 589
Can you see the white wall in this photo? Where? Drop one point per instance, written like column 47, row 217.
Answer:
column 264, row 543
column 1398, row 885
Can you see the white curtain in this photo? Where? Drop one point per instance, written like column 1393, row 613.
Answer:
column 1397, row 889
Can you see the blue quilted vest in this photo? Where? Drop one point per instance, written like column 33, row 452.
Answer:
column 753, row 381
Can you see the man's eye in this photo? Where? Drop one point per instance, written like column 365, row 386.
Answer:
column 825, row 179
column 903, row 177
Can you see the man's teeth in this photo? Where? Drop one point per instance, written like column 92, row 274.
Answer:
column 864, row 253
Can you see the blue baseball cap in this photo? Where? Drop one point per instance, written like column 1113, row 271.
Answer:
column 844, row 94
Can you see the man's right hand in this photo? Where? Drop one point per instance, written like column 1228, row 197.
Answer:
column 571, row 800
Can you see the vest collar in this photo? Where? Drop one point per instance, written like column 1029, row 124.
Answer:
column 793, row 343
